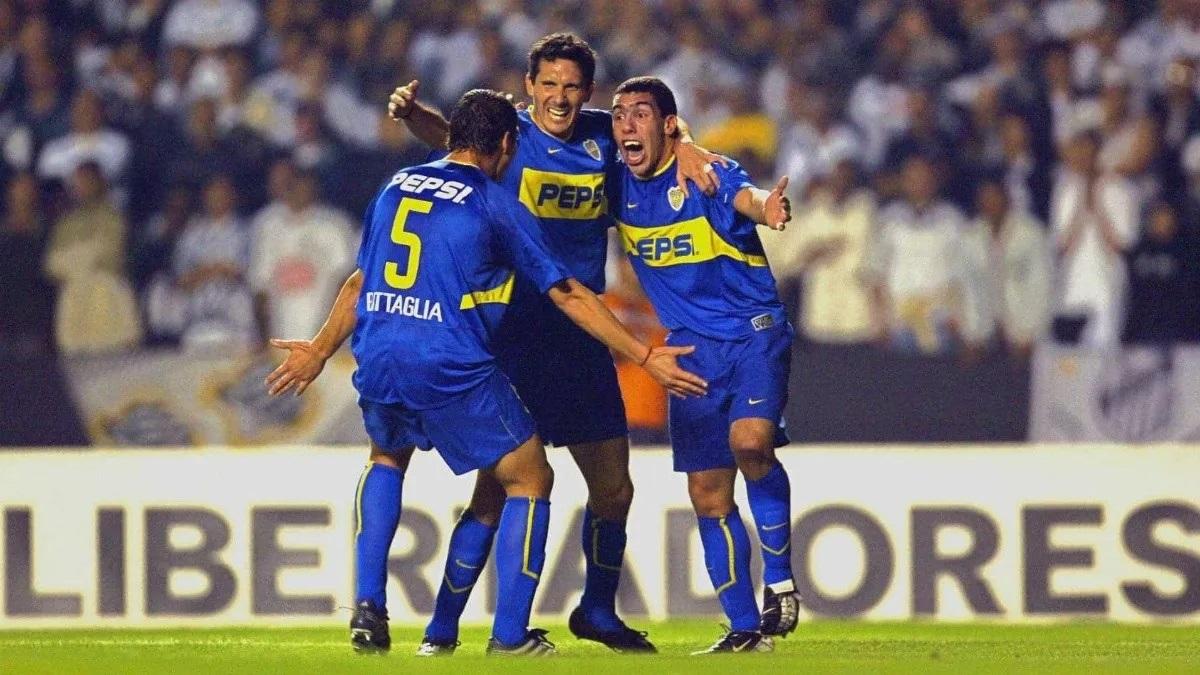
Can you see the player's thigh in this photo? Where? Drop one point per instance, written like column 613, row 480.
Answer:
column 604, row 464
column 397, row 459
column 711, row 491
column 475, row 429
column 393, row 431
column 524, row 472
column 569, row 382
column 758, row 390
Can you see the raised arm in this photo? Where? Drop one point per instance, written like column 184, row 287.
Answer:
column 772, row 209
column 695, row 163
column 306, row 358
column 583, row 307
column 422, row 121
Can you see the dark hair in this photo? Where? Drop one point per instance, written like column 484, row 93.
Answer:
column 479, row 121
column 664, row 99
column 563, row 46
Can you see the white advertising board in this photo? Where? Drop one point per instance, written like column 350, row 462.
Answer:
column 264, row 537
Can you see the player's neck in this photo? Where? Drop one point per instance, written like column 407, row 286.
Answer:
column 472, row 158
column 665, row 163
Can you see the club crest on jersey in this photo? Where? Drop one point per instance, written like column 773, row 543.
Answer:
column 675, row 198
column 593, row 148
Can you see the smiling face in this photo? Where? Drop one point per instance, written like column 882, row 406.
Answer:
column 645, row 137
column 559, row 91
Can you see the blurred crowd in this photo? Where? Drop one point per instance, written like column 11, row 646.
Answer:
column 970, row 176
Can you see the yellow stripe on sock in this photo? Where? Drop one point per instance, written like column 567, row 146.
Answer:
column 362, row 479
column 729, row 547
column 457, row 591
column 783, row 548
column 529, row 543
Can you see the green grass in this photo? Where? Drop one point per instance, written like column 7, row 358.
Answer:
column 824, row 647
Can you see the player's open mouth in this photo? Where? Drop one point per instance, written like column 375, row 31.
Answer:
column 634, row 152
column 558, row 114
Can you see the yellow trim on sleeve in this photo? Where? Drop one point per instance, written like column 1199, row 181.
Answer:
column 501, row 294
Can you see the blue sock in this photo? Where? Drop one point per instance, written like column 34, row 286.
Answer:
column 520, row 554
column 603, row 551
column 377, row 505
column 771, row 504
column 727, row 556
column 470, row 545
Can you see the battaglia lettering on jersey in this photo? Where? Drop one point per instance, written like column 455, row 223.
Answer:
column 418, row 184
column 404, row 305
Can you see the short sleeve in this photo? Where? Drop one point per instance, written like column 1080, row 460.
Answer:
column 733, row 179
column 522, row 241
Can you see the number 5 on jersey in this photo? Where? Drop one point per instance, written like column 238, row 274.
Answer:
column 400, row 237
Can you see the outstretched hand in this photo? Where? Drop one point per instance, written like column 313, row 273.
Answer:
column 778, row 208
column 695, row 164
column 402, row 100
column 302, row 365
column 662, row 366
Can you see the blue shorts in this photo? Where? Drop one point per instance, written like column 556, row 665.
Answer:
column 473, row 431
column 566, row 377
column 746, row 378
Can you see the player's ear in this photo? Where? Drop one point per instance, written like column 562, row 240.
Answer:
column 671, row 126
column 508, row 143
column 529, row 85
column 588, row 91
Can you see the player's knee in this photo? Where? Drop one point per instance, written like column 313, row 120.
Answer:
column 613, row 498
column 710, row 500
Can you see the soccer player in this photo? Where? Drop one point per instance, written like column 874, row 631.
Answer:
column 702, row 265
column 566, row 377
column 435, row 272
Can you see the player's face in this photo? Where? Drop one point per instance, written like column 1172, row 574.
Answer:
column 641, row 132
column 558, row 91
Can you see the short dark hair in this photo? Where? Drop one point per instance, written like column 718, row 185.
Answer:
column 479, row 121
column 664, row 99
column 563, row 46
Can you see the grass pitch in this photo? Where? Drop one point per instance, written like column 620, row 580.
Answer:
column 824, row 647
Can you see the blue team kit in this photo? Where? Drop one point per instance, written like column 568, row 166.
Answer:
column 702, row 265
column 557, row 368
column 440, row 246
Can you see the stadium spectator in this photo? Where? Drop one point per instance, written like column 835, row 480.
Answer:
column 693, row 65
column 88, row 141
column 96, row 310
column 826, row 250
column 816, row 142
column 208, row 24
column 1006, row 264
column 1164, row 283
column 164, row 308
column 1130, row 142
column 209, row 264
column 915, row 267
column 1025, row 171
column 26, row 298
column 1094, row 220
column 445, row 53
column 926, row 136
column 275, row 95
column 302, row 251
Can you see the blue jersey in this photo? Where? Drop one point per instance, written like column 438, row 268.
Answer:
column 699, row 261
column 440, row 246
column 562, row 184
